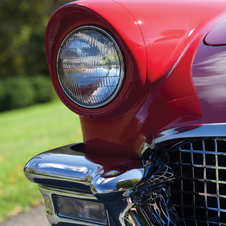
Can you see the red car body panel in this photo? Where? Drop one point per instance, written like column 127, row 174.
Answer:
column 159, row 47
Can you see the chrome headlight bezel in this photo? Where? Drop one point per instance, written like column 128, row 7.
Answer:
column 121, row 74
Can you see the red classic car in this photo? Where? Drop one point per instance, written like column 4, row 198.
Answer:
column 148, row 80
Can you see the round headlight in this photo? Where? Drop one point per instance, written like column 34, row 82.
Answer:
column 90, row 67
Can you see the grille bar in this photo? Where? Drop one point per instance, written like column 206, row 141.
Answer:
column 199, row 190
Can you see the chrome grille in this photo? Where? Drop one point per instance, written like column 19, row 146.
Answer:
column 199, row 190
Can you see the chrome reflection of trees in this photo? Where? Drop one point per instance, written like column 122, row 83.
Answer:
column 127, row 184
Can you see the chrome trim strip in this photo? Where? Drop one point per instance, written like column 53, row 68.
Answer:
column 191, row 131
column 206, row 130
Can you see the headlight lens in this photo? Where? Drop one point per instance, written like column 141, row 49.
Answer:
column 90, row 67
column 79, row 209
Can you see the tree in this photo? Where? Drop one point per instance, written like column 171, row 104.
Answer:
column 22, row 32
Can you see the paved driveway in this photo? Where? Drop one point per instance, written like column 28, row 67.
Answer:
column 35, row 217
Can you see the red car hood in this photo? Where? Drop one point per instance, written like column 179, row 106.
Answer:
column 167, row 27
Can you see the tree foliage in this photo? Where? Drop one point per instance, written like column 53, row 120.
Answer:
column 22, row 32
column 25, row 91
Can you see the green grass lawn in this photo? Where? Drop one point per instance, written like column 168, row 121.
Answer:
column 23, row 134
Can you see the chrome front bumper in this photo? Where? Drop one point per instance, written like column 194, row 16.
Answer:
column 141, row 192
column 67, row 172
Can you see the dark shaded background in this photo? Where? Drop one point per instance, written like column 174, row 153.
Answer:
column 22, row 32
column 24, row 75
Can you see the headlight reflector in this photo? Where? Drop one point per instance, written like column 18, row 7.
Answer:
column 90, row 67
